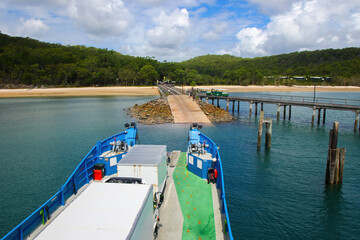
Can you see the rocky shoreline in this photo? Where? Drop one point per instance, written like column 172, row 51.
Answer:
column 158, row 112
column 154, row 112
column 215, row 114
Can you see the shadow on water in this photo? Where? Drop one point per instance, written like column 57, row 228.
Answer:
column 263, row 154
column 332, row 213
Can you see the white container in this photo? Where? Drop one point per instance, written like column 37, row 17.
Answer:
column 147, row 162
column 105, row 211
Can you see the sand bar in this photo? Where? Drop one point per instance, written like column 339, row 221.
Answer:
column 87, row 91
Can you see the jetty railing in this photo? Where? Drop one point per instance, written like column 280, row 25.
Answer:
column 81, row 176
column 340, row 101
column 213, row 149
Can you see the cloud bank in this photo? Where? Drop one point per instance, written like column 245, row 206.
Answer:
column 181, row 29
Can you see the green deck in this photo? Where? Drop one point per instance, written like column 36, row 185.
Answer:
column 196, row 203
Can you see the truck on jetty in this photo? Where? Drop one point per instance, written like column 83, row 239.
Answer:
column 125, row 190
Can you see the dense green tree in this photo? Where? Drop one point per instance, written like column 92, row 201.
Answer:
column 148, row 75
column 28, row 62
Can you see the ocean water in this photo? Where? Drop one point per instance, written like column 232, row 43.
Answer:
column 272, row 194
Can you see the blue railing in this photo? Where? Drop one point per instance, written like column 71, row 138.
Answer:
column 219, row 181
column 81, row 176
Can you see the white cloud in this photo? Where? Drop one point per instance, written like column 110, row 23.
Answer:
column 179, row 29
column 251, row 42
column 309, row 24
column 170, row 30
column 101, row 18
column 32, row 27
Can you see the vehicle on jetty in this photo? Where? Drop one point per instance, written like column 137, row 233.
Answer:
column 212, row 92
column 125, row 190
column 219, row 92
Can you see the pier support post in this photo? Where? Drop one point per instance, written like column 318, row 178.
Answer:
column 319, row 113
column 268, row 123
column 313, row 116
column 250, row 108
column 207, row 99
column 227, row 104
column 233, row 108
column 238, row 106
column 336, row 158
column 289, row 112
column 260, row 130
column 212, row 101
column 284, row 112
column 262, row 106
column 356, row 120
column 218, row 105
column 256, row 104
column 324, row 115
column 278, row 112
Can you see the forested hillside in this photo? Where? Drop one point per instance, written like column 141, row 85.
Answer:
column 28, row 62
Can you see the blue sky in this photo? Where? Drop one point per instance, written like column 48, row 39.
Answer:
column 177, row 30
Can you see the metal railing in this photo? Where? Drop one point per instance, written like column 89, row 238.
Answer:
column 81, row 176
column 309, row 99
column 219, row 182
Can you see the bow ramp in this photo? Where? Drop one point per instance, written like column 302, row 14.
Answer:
column 186, row 110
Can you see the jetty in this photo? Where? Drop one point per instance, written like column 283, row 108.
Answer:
column 318, row 104
column 183, row 107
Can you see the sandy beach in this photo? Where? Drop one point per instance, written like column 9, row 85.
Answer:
column 153, row 91
column 87, row 91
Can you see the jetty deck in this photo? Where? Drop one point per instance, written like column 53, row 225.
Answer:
column 183, row 108
column 186, row 110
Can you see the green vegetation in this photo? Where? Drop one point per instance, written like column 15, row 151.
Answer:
column 28, row 62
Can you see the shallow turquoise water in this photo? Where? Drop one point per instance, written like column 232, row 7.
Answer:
column 275, row 194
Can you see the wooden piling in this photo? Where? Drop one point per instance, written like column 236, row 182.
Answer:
column 233, row 107
column 289, row 112
column 313, row 116
column 356, row 120
column 324, row 115
column 268, row 123
column 262, row 106
column 256, row 104
column 278, row 112
column 284, row 112
column 334, row 136
column 212, row 101
column 227, row 104
column 341, row 164
column 238, row 106
column 250, row 108
column 336, row 158
column 268, row 131
column 260, row 130
column 218, row 105
column 319, row 113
